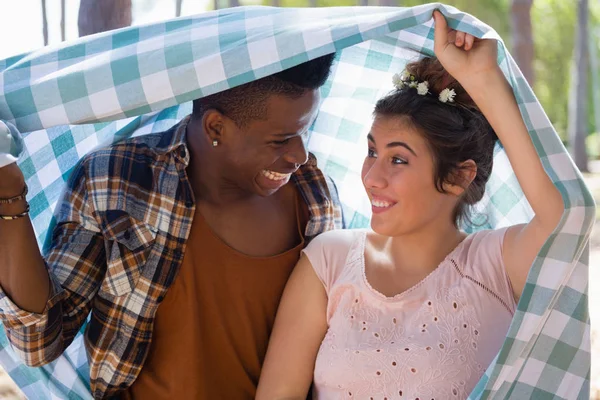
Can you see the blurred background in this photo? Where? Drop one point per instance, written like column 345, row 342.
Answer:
column 555, row 42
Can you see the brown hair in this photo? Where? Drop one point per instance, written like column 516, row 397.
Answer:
column 455, row 132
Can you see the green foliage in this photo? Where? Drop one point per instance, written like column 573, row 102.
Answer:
column 554, row 24
column 554, row 40
column 592, row 143
column 495, row 13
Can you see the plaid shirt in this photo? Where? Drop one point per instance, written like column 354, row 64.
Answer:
column 117, row 247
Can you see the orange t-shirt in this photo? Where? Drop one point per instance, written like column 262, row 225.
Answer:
column 212, row 329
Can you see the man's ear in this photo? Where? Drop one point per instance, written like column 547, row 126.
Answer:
column 461, row 178
column 213, row 124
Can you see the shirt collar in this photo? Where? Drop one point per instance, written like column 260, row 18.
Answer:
column 174, row 141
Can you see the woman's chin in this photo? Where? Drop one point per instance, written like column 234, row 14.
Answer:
column 382, row 227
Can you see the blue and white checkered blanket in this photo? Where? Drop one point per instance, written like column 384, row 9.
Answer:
column 71, row 98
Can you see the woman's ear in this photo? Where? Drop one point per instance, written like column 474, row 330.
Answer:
column 461, row 178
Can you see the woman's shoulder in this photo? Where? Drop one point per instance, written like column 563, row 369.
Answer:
column 482, row 250
column 330, row 253
column 338, row 239
column 483, row 240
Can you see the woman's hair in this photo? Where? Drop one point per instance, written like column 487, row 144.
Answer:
column 455, row 131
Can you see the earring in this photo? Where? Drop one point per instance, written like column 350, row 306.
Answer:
column 215, row 143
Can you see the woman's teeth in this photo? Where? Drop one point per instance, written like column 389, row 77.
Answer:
column 274, row 176
column 381, row 204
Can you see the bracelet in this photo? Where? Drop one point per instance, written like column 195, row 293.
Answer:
column 16, row 198
column 17, row 216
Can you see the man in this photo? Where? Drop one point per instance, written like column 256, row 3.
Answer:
column 179, row 244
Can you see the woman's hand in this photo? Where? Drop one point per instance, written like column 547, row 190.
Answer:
column 469, row 60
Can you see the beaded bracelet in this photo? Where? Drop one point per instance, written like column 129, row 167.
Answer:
column 16, row 198
column 16, row 216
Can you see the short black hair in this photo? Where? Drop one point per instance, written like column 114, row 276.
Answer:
column 247, row 102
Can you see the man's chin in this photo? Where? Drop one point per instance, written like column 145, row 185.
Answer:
column 269, row 186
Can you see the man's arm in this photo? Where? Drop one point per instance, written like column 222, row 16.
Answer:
column 23, row 275
column 43, row 303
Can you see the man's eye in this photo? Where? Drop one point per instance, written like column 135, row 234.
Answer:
column 371, row 153
column 280, row 142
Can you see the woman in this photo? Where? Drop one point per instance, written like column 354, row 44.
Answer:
column 415, row 308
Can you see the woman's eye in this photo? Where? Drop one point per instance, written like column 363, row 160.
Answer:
column 371, row 153
column 280, row 142
column 398, row 161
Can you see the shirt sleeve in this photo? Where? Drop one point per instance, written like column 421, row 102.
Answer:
column 484, row 261
column 327, row 254
column 76, row 265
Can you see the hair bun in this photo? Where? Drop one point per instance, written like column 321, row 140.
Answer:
column 431, row 70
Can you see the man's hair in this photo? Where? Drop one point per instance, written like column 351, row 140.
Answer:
column 249, row 101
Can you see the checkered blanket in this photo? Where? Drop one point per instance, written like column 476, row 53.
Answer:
column 68, row 99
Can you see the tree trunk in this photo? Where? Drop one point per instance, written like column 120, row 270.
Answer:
column 578, row 100
column 62, row 20
column 100, row 16
column 44, row 23
column 178, row 4
column 363, row 2
column 234, row 3
column 388, row 3
column 595, row 38
column 522, row 37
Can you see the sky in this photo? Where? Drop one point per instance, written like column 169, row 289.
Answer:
column 21, row 21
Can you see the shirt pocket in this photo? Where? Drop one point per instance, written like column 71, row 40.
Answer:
column 128, row 245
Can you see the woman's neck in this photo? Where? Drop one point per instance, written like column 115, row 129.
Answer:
column 425, row 249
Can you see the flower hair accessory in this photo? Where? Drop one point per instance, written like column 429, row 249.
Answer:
column 406, row 80
column 447, row 95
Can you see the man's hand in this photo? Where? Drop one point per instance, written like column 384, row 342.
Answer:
column 12, row 181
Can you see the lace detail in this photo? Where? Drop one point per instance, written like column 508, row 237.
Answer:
column 366, row 353
column 432, row 342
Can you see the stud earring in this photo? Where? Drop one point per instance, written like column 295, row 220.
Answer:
column 215, row 143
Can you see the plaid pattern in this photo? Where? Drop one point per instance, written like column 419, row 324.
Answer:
column 118, row 243
column 143, row 78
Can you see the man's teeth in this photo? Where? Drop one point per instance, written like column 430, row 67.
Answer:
column 274, row 176
column 381, row 204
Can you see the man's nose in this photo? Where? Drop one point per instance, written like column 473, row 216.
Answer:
column 298, row 153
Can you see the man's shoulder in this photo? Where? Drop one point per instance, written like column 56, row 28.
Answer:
column 143, row 149
column 311, row 176
column 321, row 194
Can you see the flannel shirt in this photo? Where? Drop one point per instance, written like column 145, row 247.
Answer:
column 118, row 244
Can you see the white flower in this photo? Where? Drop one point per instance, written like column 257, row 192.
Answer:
column 423, row 88
column 405, row 76
column 397, row 81
column 447, row 95
column 413, row 84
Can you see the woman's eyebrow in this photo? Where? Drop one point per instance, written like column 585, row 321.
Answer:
column 394, row 144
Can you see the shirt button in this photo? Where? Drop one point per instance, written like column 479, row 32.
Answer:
column 182, row 152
